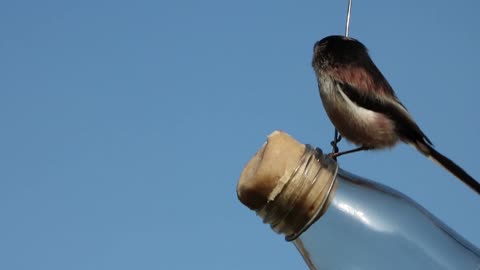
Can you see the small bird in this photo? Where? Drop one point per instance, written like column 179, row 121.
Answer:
column 363, row 106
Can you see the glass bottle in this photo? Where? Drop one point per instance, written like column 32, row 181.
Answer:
column 341, row 221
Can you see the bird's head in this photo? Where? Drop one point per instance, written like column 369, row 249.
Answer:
column 337, row 50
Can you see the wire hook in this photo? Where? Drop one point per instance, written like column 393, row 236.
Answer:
column 337, row 137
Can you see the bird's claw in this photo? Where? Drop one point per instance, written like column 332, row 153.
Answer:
column 336, row 139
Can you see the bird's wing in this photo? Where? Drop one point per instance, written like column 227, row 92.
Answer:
column 359, row 85
column 367, row 78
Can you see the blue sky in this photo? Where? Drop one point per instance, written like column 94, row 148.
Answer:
column 126, row 124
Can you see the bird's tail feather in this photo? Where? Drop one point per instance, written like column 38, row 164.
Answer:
column 449, row 165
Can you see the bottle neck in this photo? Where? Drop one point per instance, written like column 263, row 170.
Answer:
column 371, row 226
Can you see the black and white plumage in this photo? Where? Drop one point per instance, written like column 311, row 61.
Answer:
column 363, row 106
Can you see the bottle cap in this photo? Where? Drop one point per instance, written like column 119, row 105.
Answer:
column 288, row 184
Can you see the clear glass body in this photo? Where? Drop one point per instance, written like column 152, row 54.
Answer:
column 370, row 226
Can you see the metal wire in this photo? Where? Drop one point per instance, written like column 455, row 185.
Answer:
column 349, row 10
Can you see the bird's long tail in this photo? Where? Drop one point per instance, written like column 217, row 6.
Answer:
column 449, row 165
